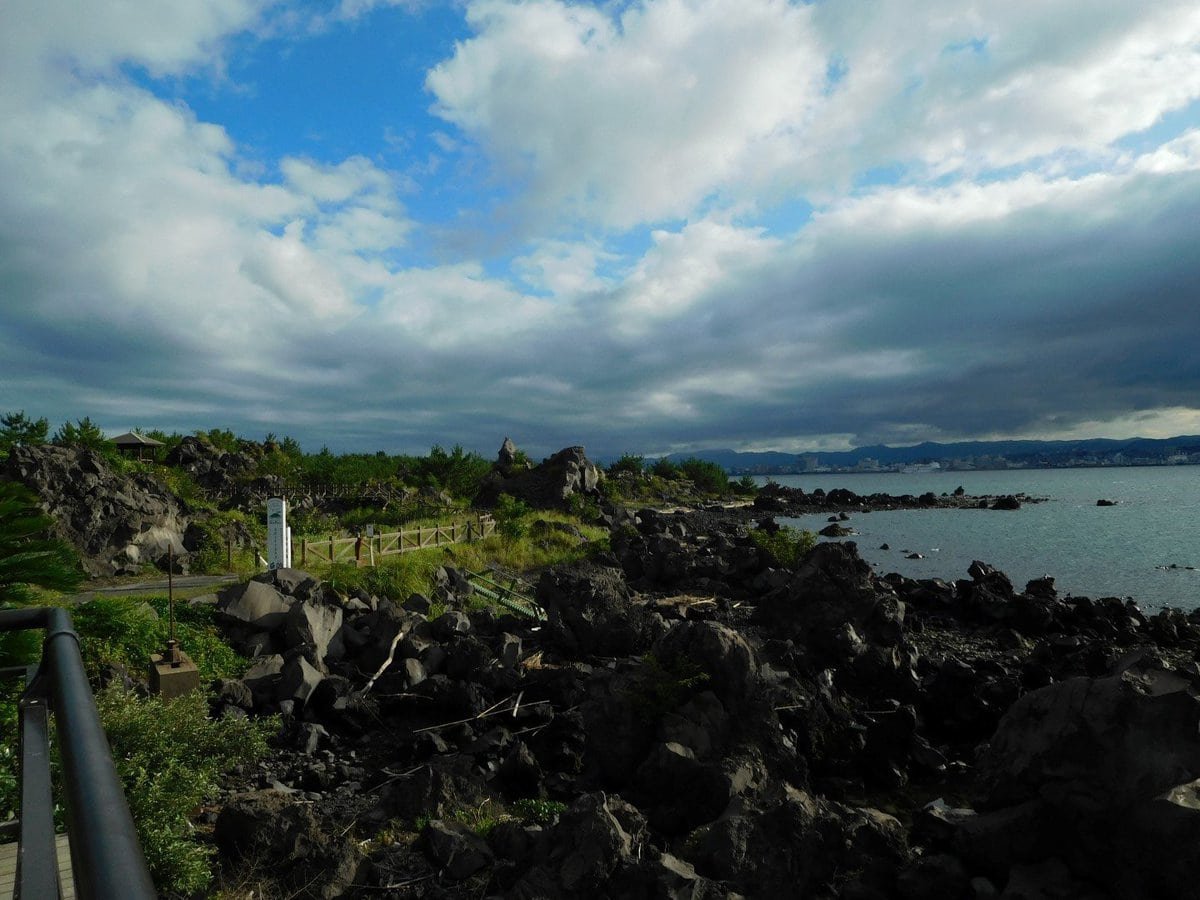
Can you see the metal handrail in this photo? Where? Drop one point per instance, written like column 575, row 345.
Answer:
column 106, row 858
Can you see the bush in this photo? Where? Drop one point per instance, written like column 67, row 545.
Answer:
column 510, row 516
column 746, row 486
column 709, row 477
column 28, row 559
column 665, row 468
column 629, row 463
column 787, row 546
column 124, row 631
column 169, row 756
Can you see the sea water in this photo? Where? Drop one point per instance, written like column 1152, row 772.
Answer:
column 1141, row 548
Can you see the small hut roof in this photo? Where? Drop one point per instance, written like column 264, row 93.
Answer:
column 133, row 439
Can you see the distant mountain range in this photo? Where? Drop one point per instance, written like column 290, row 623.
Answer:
column 965, row 454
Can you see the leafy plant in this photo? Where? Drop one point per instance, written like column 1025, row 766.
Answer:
column 786, row 546
column 708, row 476
column 663, row 684
column 125, row 631
column 537, row 811
column 169, row 756
column 511, row 514
column 27, row 557
column 628, row 463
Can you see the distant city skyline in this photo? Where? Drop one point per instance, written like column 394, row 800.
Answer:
column 641, row 225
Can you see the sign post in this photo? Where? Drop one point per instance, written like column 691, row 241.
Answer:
column 279, row 550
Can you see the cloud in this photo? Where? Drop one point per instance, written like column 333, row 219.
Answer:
column 636, row 119
column 1004, row 206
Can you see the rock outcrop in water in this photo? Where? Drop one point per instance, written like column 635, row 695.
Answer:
column 692, row 721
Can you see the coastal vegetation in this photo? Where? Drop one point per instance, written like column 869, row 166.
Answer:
column 171, row 758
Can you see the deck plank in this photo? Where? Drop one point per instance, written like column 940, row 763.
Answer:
column 8, row 868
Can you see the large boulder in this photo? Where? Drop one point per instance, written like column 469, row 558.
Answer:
column 118, row 523
column 211, row 467
column 270, row 827
column 589, row 610
column 1094, row 745
column 835, row 606
column 548, row 485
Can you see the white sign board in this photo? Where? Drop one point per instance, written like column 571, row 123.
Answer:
column 279, row 550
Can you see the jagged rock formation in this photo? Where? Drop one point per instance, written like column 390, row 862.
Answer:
column 547, row 485
column 227, row 474
column 118, row 522
column 696, row 722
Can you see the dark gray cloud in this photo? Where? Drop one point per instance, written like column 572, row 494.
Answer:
column 1035, row 282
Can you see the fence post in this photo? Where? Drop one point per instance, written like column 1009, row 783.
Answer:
column 303, row 551
column 420, row 541
column 332, row 551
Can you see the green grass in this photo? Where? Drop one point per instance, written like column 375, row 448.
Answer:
column 525, row 550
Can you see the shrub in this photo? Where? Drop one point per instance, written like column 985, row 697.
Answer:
column 17, row 429
column 708, row 476
column 84, row 433
column 510, row 516
column 536, row 811
column 746, row 485
column 665, row 468
column 27, row 557
column 124, row 631
column 662, row 685
column 634, row 465
column 169, row 757
column 787, row 546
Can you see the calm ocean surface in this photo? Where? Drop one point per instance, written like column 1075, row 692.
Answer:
column 1094, row 551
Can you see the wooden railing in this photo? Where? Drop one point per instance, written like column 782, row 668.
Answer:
column 366, row 549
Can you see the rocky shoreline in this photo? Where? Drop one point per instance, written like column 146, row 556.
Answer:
column 694, row 720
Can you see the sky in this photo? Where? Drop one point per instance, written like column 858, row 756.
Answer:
column 646, row 227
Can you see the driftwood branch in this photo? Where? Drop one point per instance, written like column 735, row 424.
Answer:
column 493, row 710
column 387, row 662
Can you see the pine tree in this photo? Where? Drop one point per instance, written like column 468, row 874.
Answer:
column 17, row 429
column 84, row 433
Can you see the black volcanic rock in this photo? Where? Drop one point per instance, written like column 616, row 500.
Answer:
column 117, row 522
column 548, row 485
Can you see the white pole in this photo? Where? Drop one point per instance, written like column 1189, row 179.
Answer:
column 277, row 533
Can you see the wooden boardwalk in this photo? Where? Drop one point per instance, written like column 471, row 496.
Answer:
column 8, row 868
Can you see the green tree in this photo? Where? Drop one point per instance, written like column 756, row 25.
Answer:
column 17, row 429
column 665, row 468
column 708, row 476
column 84, row 433
column 458, row 471
column 27, row 557
column 631, row 463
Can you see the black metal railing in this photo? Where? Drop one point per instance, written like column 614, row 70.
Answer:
column 106, row 858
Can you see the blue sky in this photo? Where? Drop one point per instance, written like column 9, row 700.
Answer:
column 640, row 226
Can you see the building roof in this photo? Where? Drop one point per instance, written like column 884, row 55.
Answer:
column 133, row 439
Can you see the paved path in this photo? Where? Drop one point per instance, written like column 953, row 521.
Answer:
column 8, row 868
column 157, row 586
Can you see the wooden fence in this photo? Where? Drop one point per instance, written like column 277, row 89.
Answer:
column 364, row 550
